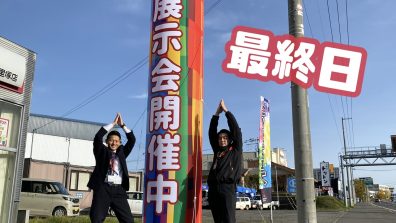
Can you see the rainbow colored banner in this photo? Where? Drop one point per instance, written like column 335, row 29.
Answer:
column 172, row 184
column 264, row 154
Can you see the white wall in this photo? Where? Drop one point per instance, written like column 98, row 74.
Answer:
column 60, row 149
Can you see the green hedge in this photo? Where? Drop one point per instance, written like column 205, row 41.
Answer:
column 329, row 203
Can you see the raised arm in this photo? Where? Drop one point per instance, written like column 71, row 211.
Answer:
column 235, row 130
column 129, row 134
column 213, row 139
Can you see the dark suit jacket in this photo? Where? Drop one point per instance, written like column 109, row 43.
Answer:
column 102, row 156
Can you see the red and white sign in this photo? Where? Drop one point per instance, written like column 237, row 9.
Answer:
column 12, row 70
column 329, row 67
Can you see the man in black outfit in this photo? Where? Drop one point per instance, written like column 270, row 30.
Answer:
column 226, row 169
column 109, row 180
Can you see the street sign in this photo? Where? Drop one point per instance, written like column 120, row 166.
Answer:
column 291, row 185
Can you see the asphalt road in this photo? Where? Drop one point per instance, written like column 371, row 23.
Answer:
column 361, row 213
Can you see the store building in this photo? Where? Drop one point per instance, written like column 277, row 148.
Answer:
column 16, row 78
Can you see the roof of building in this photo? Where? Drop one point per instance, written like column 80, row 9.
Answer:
column 63, row 127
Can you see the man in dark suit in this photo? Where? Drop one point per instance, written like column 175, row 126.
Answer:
column 109, row 180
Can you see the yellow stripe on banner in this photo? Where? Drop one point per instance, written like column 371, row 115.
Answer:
column 171, row 207
column 267, row 143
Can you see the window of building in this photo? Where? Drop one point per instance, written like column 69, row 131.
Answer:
column 79, row 180
column 133, row 184
column 10, row 122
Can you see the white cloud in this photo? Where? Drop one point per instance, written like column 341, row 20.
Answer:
column 140, row 96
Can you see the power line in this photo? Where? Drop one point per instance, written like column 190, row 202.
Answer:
column 115, row 82
column 101, row 91
column 338, row 19
column 347, row 19
column 331, row 28
column 334, row 119
column 309, row 23
column 207, row 11
column 328, row 97
column 321, row 20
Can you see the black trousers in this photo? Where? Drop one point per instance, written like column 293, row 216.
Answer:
column 110, row 196
column 222, row 201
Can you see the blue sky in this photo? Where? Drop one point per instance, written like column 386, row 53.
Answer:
column 83, row 46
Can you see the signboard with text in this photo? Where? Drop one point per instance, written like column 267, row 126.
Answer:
column 291, row 185
column 330, row 67
column 12, row 70
column 325, row 174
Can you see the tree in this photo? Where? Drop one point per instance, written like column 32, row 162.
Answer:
column 252, row 181
column 383, row 194
column 361, row 190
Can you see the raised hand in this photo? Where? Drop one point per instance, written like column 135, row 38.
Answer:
column 116, row 119
column 223, row 107
column 120, row 121
column 219, row 109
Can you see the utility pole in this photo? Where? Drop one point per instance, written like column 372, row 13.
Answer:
column 343, row 182
column 306, row 201
column 346, row 168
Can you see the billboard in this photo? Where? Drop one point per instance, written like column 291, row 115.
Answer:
column 173, row 169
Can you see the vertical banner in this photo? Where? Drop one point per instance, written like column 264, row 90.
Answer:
column 265, row 181
column 325, row 174
column 173, row 168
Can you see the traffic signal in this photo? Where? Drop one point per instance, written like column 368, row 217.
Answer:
column 393, row 140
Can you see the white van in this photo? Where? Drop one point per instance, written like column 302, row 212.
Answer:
column 257, row 203
column 46, row 198
column 243, row 203
column 135, row 201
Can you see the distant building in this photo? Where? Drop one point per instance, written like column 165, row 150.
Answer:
column 279, row 156
column 367, row 180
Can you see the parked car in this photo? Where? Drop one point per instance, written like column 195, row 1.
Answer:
column 46, row 198
column 135, row 201
column 243, row 203
column 257, row 203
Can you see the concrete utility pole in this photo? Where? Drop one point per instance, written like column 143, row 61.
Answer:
column 343, row 182
column 306, row 202
column 346, row 167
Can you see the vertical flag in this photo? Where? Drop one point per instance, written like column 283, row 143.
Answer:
column 172, row 184
column 265, row 181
